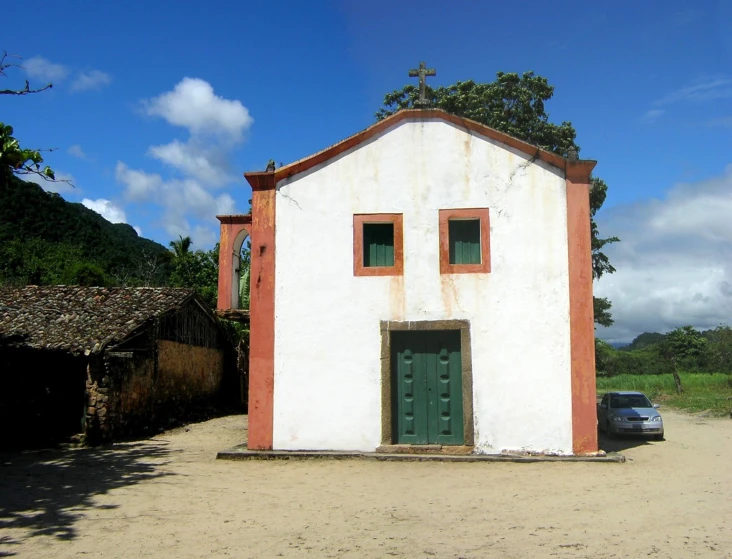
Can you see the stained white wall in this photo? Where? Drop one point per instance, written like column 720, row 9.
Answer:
column 327, row 385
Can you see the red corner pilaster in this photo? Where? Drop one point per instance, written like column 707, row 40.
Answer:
column 231, row 226
column 262, row 312
column 581, row 312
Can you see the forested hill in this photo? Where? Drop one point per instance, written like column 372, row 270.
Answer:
column 645, row 354
column 46, row 240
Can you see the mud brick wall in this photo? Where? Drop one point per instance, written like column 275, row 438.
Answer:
column 187, row 374
column 135, row 392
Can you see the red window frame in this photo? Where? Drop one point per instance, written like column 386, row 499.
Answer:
column 358, row 222
column 481, row 214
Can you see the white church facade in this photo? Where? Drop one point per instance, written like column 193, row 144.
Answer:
column 425, row 282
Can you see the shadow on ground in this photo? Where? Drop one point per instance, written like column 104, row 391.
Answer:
column 620, row 443
column 46, row 491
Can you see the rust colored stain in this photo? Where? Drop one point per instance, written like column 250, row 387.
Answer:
column 231, row 226
column 398, row 268
column 581, row 316
column 449, row 294
column 397, row 298
column 262, row 326
column 485, row 241
column 264, row 180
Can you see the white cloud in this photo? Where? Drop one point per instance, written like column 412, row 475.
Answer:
column 42, row 69
column 215, row 126
column 208, row 164
column 193, row 105
column 139, row 185
column 180, row 200
column 138, row 230
column 204, row 236
column 719, row 88
column 700, row 92
column 107, row 209
column 90, row 80
column 76, row 151
column 654, row 114
column 674, row 262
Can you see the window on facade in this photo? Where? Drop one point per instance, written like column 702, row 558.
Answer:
column 465, row 241
column 464, row 237
column 377, row 245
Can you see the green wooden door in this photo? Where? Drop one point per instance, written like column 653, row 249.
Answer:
column 427, row 393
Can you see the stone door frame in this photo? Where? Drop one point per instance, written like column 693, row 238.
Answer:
column 388, row 326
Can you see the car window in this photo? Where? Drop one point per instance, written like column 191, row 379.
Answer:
column 630, row 401
column 604, row 400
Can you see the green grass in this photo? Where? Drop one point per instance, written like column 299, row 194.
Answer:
column 702, row 392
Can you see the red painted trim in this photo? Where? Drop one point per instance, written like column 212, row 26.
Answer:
column 260, row 181
column 265, row 180
column 262, row 321
column 485, row 241
column 398, row 268
column 581, row 318
column 231, row 226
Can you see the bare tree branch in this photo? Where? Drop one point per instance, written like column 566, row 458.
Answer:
column 27, row 89
column 4, row 65
column 26, row 170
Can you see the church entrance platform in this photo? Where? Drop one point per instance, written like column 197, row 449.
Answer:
column 241, row 452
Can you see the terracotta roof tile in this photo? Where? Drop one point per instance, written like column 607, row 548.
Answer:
column 80, row 320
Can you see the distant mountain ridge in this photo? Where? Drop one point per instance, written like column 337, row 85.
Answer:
column 35, row 223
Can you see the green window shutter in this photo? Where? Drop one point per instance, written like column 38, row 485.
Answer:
column 464, row 241
column 378, row 244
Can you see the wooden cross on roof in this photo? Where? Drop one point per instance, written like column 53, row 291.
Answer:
column 422, row 72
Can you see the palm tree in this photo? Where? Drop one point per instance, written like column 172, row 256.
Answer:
column 181, row 247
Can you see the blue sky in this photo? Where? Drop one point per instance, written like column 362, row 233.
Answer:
column 158, row 107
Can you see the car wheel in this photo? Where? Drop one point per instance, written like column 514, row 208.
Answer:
column 658, row 437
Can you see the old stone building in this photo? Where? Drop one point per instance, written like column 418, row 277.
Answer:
column 106, row 362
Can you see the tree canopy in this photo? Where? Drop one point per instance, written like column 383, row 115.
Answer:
column 15, row 159
column 515, row 105
column 682, row 343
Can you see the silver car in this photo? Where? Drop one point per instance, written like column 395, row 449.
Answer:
column 629, row 413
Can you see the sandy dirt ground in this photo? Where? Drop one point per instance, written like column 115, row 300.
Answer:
column 168, row 497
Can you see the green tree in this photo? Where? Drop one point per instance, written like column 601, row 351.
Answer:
column 680, row 344
column 28, row 213
column 516, row 105
column 198, row 270
column 37, row 262
column 15, row 159
column 602, row 311
column 646, row 339
column 181, row 247
column 604, row 357
column 718, row 352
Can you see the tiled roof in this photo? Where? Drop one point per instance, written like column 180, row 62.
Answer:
column 80, row 320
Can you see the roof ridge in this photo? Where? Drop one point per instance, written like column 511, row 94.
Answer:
column 264, row 180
